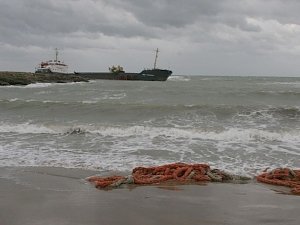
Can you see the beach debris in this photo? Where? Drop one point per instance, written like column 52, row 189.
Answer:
column 178, row 173
column 75, row 131
column 282, row 177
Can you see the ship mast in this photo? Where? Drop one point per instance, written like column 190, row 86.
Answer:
column 56, row 54
column 156, row 55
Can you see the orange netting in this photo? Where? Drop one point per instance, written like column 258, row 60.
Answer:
column 102, row 182
column 176, row 172
column 283, row 177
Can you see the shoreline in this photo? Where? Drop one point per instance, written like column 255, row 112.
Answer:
column 50, row 195
column 24, row 78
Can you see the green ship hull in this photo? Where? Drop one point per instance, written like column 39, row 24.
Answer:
column 145, row 75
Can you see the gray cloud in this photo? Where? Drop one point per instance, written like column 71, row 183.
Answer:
column 222, row 29
column 174, row 13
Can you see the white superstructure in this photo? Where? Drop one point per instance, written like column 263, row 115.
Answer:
column 52, row 66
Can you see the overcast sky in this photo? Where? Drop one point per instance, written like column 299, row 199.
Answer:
column 195, row 37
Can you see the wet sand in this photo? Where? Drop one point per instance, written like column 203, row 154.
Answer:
column 58, row 196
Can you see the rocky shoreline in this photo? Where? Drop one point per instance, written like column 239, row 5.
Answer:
column 25, row 78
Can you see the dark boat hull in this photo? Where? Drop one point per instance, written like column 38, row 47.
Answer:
column 145, row 75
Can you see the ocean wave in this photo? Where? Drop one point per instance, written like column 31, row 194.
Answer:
column 270, row 113
column 75, row 131
column 121, row 148
column 98, row 100
column 242, row 151
column 179, row 78
column 291, row 83
column 30, row 101
column 43, row 85
column 248, row 135
column 34, row 85
column 190, row 113
column 25, row 128
column 278, row 93
column 39, row 85
column 228, row 135
column 149, row 105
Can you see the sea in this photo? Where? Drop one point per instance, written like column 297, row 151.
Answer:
column 241, row 125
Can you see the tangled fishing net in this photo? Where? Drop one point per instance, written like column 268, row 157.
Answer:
column 283, row 177
column 179, row 173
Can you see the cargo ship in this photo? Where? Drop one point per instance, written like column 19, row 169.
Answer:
column 115, row 72
column 146, row 75
column 118, row 73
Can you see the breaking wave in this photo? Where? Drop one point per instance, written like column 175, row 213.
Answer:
column 277, row 93
column 121, row 148
column 43, row 85
column 179, row 78
column 290, row 84
column 25, row 128
column 219, row 109
column 242, row 124
column 228, row 135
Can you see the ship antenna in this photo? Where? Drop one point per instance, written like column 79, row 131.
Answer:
column 56, row 54
column 156, row 55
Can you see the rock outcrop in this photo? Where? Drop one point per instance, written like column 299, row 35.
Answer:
column 25, row 78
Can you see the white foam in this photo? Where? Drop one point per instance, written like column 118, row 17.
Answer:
column 48, row 101
column 242, row 151
column 32, row 100
column 25, row 128
column 39, row 85
column 179, row 78
column 44, row 85
column 228, row 135
column 13, row 100
column 292, row 83
column 34, row 85
column 231, row 134
column 90, row 101
column 212, row 78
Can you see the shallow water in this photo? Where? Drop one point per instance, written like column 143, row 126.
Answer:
column 240, row 124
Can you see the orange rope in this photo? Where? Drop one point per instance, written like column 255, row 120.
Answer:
column 283, row 177
column 176, row 172
column 104, row 182
column 188, row 173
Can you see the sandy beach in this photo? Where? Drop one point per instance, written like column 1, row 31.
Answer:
column 35, row 195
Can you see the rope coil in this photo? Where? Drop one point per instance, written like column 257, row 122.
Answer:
column 180, row 173
column 283, row 177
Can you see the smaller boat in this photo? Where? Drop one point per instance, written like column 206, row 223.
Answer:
column 52, row 66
